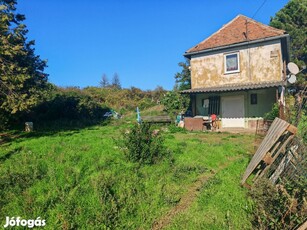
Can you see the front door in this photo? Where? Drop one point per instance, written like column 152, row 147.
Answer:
column 233, row 111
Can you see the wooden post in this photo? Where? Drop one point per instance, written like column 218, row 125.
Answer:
column 282, row 100
column 29, row 126
column 193, row 102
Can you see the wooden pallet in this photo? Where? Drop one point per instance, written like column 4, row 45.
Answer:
column 275, row 142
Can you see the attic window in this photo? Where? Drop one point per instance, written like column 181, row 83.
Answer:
column 231, row 62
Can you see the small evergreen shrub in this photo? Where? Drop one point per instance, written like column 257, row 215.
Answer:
column 142, row 144
column 273, row 113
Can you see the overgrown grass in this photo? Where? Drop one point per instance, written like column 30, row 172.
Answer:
column 221, row 204
column 81, row 179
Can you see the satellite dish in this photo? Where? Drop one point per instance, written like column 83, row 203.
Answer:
column 291, row 78
column 293, row 68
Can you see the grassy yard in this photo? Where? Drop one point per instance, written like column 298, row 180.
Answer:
column 81, row 179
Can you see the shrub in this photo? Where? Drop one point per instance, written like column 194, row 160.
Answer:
column 273, row 113
column 302, row 127
column 68, row 107
column 278, row 207
column 143, row 145
column 175, row 103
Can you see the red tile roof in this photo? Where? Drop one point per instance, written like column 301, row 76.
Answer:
column 240, row 29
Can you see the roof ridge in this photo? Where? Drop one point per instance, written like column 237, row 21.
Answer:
column 263, row 25
column 267, row 30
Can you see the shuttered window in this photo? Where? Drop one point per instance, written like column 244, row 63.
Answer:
column 214, row 105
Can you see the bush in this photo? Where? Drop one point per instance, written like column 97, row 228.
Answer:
column 302, row 127
column 69, row 108
column 273, row 113
column 175, row 103
column 143, row 145
column 280, row 206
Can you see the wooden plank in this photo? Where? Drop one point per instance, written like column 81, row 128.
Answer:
column 294, row 152
column 268, row 159
column 275, row 147
column 276, row 130
column 282, row 148
column 281, row 167
column 247, row 186
column 257, row 174
column 157, row 119
column 292, row 129
column 303, row 226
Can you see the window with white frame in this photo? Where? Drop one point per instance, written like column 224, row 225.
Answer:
column 232, row 63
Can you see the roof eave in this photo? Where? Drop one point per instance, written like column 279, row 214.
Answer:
column 189, row 54
column 234, row 88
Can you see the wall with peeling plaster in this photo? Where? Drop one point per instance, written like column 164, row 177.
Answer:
column 261, row 62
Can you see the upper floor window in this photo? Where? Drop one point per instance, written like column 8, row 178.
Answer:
column 232, row 64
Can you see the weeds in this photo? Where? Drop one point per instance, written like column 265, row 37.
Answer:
column 276, row 208
column 143, row 145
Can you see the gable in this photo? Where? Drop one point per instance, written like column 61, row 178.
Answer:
column 240, row 29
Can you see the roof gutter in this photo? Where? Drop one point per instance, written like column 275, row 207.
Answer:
column 188, row 55
column 233, row 88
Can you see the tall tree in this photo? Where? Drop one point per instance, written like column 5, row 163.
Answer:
column 22, row 76
column 183, row 78
column 104, row 81
column 293, row 19
column 116, row 82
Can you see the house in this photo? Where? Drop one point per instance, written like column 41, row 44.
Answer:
column 238, row 72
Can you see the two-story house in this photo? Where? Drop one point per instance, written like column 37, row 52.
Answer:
column 238, row 72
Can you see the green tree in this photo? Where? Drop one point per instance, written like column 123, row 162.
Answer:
column 104, row 81
column 183, row 78
column 22, row 77
column 116, row 82
column 293, row 19
column 175, row 103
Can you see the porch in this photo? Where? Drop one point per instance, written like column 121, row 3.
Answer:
column 236, row 108
column 198, row 123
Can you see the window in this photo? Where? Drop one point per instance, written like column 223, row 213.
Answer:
column 231, row 63
column 205, row 103
column 214, row 105
column 254, row 99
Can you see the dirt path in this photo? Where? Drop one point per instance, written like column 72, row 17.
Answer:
column 187, row 200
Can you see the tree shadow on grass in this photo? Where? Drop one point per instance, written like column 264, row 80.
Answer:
column 54, row 128
column 9, row 154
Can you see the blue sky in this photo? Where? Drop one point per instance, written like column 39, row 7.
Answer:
column 142, row 41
